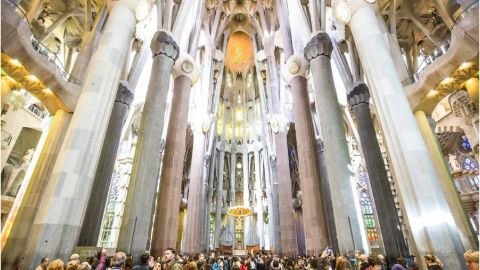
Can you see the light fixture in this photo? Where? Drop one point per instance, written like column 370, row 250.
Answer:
column 465, row 65
column 143, row 10
column 341, row 10
column 48, row 91
column 32, row 77
column 15, row 62
column 370, row 1
column 447, row 80
column 239, row 165
column 432, row 93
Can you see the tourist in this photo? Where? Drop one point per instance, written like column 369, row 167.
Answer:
column 43, row 264
column 55, row 265
column 144, row 262
column 401, row 264
column 169, row 258
column 342, row 263
column 472, row 259
column 433, row 262
column 118, row 261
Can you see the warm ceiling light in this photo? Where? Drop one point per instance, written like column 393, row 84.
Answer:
column 432, row 93
column 32, row 77
column 47, row 91
column 239, row 165
column 465, row 65
column 447, row 80
column 15, row 62
column 370, row 1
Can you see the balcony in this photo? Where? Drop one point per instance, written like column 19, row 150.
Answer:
column 6, row 139
column 19, row 43
column 460, row 47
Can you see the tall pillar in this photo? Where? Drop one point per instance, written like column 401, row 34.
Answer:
column 258, row 195
column 459, row 214
column 318, row 51
column 19, row 224
column 327, row 197
column 101, row 182
column 169, row 194
column 219, row 195
column 388, row 220
column 134, row 235
column 233, row 164
column 220, row 179
column 316, row 236
column 426, row 208
column 281, row 218
column 57, row 225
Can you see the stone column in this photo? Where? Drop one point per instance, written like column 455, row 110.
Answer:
column 459, row 214
column 258, row 195
column 426, row 208
column 169, row 194
column 57, row 225
column 316, row 236
column 318, row 51
column 101, row 182
column 219, row 195
column 19, row 224
column 281, row 218
column 137, row 217
column 327, row 197
column 220, row 179
column 388, row 220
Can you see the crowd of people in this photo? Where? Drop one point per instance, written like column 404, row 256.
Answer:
column 172, row 261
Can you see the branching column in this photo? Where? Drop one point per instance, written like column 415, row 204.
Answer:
column 57, row 225
column 469, row 239
column 18, row 227
column 169, row 194
column 426, row 208
column 390, row 226
column 316, row 236
column 101, row 183
column 137, row 218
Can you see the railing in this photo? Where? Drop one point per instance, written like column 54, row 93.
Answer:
column 6, row 138
column 439, row 51
column 37, row 111
column 43, row 50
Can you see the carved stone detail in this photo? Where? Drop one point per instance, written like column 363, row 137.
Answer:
column 296, row 66
column 319, row 44
column 185, row 65
column 124, row 95
column 358, row 95
column 163, row 43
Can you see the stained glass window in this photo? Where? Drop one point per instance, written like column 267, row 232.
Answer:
column 473, row 182
column 362, row 179
column 368, row 219
column 465, row 143
column 366, row 203
column 372, row 234
column 469, row 164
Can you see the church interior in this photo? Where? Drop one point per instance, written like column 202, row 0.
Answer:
column 239, row 127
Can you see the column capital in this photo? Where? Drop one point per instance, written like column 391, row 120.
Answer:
column 124, row 95
column 163, row 43
column 344, row 10
column 296, row 66
column 358, row 95
column 319, row 44
column 141, row 9
column 186, row 66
